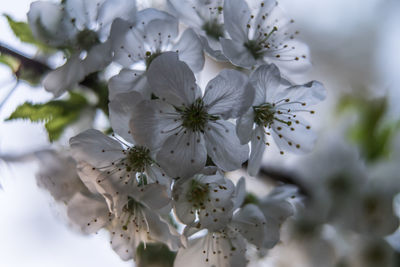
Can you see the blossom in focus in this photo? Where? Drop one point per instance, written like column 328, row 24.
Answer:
column 184, row 127
column 132, row 215
column 276, row 112
column 129, row 165
column 209, row 197
column 137, row 44
column 226, row 246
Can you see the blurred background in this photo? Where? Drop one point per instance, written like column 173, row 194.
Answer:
column 355, row 53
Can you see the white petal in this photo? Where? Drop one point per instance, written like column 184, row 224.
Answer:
column 184, row 212
column 257, row 150
column 156, row 175
column 65, row 77
column 250, row 222
column 236, row 18
column 124, row 243
column 159, row 32
column 278, row 211
column 291, row 61
column 98, row 57
column 89, row 213
column 183, row 155
column 223, row 146
column 213, row 48
column 88, row 176
column 271, row 234
column 172, row 80
column 95, row 148
column 50, row 23
column 147, row 15
column 127, row 43
column 151, row 123
column 229, row 94
column 84, row 12
column 121, row 109
column 161, row 231
column 244, row 126
column 153, row 196
column 225, row 195
column 100, row 183
column 185, row 11
column 190, row 50
column 240, row 193
column 128, row 80
column 310, row 94
column 57, row 174
column 237, row 53
column 112, row 9
column 194, row 253
column 295, row 138
column 265, row 80
column 218, row 211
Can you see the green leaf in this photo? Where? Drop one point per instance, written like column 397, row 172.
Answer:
column 24, row 33
column 57, row 114
column 372, row 132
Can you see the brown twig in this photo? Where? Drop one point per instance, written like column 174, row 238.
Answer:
column 25, row 61
column 284, row 177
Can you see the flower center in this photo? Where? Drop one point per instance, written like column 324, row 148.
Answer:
column 213, row 29
column 264, row 114
column 255, row 49
column 150, row 57
column 198, row 193
column 138, row 158
column 135, row 216
column 258, row 46
column 87, row 38
column 195, row 116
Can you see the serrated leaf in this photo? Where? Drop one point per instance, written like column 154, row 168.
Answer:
column 57, row 114
column 24, row 33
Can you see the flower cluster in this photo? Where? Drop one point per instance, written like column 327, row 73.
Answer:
column 173, row 141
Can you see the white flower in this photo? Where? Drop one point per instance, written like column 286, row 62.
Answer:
column 57, row 174
column 77, row 26
column 153, row 33
column 121, row 163
column 261, row 34
column 208, row 197
column 225, row 247
column 276, row 112
column 131, row 217
column 347, row 195
column 183, row 126
column 276, row 209
column 136, row 45
column 206, row 18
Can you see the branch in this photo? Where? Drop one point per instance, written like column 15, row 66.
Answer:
column 284, row 177
column 25, row 61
